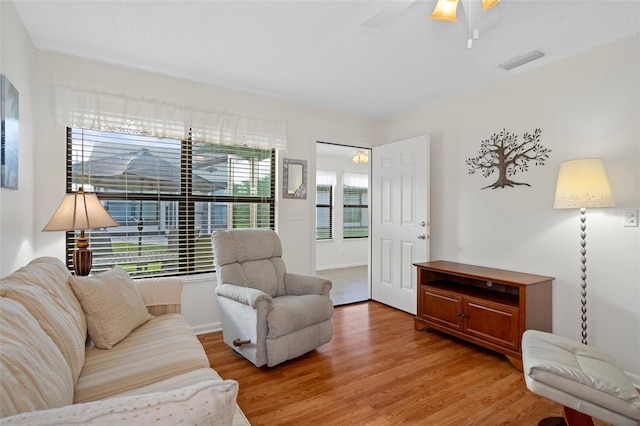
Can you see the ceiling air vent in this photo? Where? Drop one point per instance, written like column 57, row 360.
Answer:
column 521, row 60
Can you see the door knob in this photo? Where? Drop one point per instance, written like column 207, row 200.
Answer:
column 422, row 237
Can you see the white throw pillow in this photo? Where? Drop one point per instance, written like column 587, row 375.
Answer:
column 210, row 402
column 112, row 304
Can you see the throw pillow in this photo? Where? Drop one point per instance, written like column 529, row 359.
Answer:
column 112, row 304
column 206, row 403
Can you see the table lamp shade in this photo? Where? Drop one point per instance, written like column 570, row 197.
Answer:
column 80, row 211
column 583, row 183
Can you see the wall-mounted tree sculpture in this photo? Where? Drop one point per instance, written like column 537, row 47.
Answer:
column 503, row 153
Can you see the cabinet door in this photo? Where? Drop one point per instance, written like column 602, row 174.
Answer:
column 493, row 322
column 441, row 307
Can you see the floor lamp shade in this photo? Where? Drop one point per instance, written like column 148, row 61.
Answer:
column 80, row 211
column 581, row 184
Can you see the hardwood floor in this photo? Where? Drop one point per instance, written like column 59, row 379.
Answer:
column 378, row 370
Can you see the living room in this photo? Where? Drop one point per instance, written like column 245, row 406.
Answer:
column 587, row 105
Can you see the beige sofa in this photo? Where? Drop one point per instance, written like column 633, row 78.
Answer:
column 143, row 363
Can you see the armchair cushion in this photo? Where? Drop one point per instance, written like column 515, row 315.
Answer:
column 250, row 259
column 293, row 313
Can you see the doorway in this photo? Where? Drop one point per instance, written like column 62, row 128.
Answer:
column 342, row 220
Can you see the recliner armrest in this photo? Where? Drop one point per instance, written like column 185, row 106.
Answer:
column 246, row 295
column 300, row 284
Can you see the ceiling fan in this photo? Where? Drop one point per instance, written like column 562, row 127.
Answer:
column 445, row 10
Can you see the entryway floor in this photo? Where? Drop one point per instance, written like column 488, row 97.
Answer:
column 350, row 285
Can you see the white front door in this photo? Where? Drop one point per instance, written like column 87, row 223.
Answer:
column 399, row 219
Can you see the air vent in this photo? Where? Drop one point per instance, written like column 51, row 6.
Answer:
column 521, row 60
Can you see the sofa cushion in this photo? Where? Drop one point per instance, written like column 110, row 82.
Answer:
column 163, row 347
column 112, row 303
column 293, row 313
column 182, row 380
column 35, row 375
column 42, row 288
column 210, row 402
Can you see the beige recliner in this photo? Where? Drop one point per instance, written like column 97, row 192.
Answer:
column 268, row 315
column 585, row 380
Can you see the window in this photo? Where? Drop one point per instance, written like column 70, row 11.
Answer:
column 168, row 196
column 355, row 212
column 325, row 181
column 324, row 212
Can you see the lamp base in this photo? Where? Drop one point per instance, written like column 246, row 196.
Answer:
column 82, row 261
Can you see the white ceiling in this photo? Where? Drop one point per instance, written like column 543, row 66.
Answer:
column 317, row 52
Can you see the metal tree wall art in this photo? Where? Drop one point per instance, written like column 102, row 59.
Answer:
column 503, row 153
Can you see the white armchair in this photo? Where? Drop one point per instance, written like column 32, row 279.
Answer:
column 268, row 315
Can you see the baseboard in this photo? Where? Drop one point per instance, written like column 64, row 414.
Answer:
column 207, row 328
column 348, row 265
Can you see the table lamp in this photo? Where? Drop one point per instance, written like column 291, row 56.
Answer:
column 583, row 183
column 80, row 211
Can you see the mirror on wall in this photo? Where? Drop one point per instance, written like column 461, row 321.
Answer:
column 294, row 179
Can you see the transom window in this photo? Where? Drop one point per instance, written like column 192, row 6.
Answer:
column 168, row 196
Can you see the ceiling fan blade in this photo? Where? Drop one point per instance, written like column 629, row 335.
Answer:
column 387, row 14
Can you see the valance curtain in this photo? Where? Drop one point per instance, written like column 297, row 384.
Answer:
column 357, row 180
column 95, row 110
column 325, row 177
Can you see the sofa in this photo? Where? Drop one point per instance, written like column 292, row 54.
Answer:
column 103, row 349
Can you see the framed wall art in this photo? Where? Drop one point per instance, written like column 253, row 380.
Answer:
column 10, row 136
column 294, row 179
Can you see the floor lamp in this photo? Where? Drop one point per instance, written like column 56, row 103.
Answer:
column 581, row 184
column 80, row 211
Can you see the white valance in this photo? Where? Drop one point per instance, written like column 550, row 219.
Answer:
column 326, row 177
column 355, row 180
column 90, row 109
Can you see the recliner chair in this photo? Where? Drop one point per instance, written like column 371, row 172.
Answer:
column 268, row 315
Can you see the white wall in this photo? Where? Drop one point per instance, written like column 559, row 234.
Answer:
column 295, row 218
column 339, row 252
column 16, row 206
column 586, row 106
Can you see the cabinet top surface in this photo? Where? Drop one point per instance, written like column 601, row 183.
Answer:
column 484, row 273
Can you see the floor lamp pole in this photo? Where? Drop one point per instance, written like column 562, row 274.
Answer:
column 583, row 268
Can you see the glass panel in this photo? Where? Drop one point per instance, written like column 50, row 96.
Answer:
column 168, row 197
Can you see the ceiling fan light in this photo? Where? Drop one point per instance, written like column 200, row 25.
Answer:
column 445, row 11
column 488, row 4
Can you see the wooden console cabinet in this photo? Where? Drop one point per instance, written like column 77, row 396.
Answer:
column 486, row 306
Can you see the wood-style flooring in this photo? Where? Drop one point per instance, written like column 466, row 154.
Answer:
column 378, row 370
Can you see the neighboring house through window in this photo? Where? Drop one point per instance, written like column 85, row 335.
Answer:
column 168, row 197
